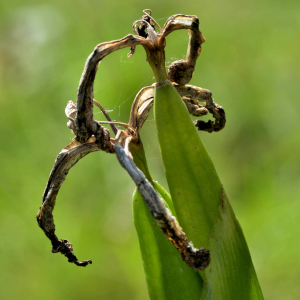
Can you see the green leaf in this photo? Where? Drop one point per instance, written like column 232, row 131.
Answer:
column 194, row 185
column 202, row 208
column 231, row 274
column 167, row 275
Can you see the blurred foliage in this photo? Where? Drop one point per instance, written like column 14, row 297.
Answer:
column 250, row 62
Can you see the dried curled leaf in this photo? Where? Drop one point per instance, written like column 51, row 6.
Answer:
column 65, row 160
column 191, row 96
column 84, row 119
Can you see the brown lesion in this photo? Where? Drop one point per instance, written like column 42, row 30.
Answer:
column 91, row 136
column 198, row 259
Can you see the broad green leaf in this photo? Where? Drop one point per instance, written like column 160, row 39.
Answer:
column 193, row 181
column 202, row 209
column 230, row 274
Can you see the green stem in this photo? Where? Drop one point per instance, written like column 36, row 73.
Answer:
column 156, row 59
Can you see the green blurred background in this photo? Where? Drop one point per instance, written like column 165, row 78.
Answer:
column 250, row 62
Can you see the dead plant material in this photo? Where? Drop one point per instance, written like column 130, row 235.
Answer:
column 91, row 136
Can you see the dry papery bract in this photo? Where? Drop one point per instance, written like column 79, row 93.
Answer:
column 91, row 136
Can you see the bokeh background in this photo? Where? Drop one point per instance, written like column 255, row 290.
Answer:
column 250, row 62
